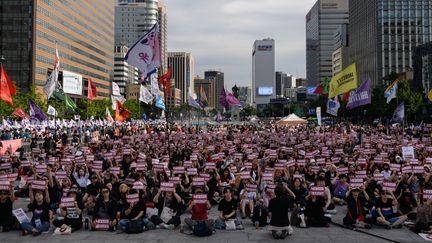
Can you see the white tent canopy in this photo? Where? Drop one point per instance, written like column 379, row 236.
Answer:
column 292, row 119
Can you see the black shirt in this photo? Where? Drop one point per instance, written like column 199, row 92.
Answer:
column 40, row 211
column 6, row 209
column 406, row 204
column 228, row 207
column 136, row 209
column 386, row 208
column 279, row 207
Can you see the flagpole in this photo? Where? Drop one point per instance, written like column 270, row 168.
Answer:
column 167, row 121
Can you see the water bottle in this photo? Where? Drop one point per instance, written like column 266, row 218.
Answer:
column 86, row 224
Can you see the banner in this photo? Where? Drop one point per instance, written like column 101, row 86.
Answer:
column 344, row 81
column 318, row 113
column 113, row 101
column 145, row 53
column 193, row 103
column 72, row 83
column 399, row 114
column 36, row 112
column 145, row 95
column 6, row 86
column 360, row 96
column 10, row 146
column 391, row 91
column 116, row 89
column 159, row 103
column 51, row 111
column 333, row 106
column 50, row 85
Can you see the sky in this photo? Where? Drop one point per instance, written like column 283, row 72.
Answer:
column 220, row 34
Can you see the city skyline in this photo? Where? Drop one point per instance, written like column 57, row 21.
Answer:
column 239, row 22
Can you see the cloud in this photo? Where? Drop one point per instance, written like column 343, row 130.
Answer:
column 220, row 34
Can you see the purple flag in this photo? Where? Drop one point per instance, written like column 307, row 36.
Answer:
column 36, row 112
column 232, row 100
column 360, row 96
column 223, row 99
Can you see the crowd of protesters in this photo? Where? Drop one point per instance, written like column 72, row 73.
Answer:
column 134, row 177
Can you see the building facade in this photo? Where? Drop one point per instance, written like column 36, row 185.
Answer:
column 263, row 73
column 245, row 95
column 182, row 64
column 322, row 22
column 340, row 43
column 124, row 73
column 422, row 62
column 82, row 30
column 163, row 25
column 132, row 91
column 218, row 79
column 280, row 83
column 383, row 35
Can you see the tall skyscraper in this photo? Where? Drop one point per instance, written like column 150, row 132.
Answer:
column 84, row 34
column 163, row 23
column 209, row 88
column 218, row 79
column 322, row 22
column 383, row 35
column 263, row 73
column 182, row 64
column 133, row 18
column 340, row 44
column 280, row 83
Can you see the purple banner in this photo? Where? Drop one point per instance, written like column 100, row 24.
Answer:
column 361, row 96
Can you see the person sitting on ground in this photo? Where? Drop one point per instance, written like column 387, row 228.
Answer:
column 340, row 189
column 423, row 222
column 356, row 215
column 169, row 206
column 132, row 212
column 227, row 211
column 248, row 199
column 385, row 216
column 314, row 212
column 72, row 215
column 105, row 208
column 199, row 214
column 40, row 208
column 407, row 205
column 7, row 198
column 278, row 212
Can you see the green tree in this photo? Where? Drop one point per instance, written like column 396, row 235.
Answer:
column 134, row 107
column 20, row 100
column 96, row 108
column 412, row 99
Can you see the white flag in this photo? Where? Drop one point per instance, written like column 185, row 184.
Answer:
column 145, row 95
column 113, row 100
column 116, row 88
column 154, row 86
column 145, row 53
column 50, row 85
column 51, row 111
column 108, row 115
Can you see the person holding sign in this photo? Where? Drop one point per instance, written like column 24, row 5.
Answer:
column 386, row 216
column 227, row 212
column 169, row 204
column 133, row 211
column 40, row 208
column 105, row 208
column 7, row 198
column 71, row 210
column 199, row 206
column 315, row 208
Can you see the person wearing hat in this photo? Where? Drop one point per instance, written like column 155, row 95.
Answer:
column 356, row 216
column 40, row 208
column 7, row 220
column 73, row 215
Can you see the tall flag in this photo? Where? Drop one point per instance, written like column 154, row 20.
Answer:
column 116, row 88
column 165, row 80
column 399, row 114
column 232, row 100
column 113, row 101
column 91, row 89
column 59, row 93
column 121, row 113
column 50, row 85
column 145, row 53
column 391, row 91
column 108, row 115
column 70, row 104
column 193, row 103
column 159, row 103
column 333, row 106
column 36, row 112
column 203, row 96
column 145, row 95
column 7, row 88
column 18, row 112
column 361, row 96
column 51, row 111
column 222, row 99
column 154, row 86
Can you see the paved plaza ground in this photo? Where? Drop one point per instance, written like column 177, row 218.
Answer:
column 325, row 235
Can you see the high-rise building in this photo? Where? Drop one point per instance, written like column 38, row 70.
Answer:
column 423, row 67
column 322, row 23
column 245, row 95
column 218, row 79
column 182, row 64
column 133, row 18
column 280, row 83
column 163, row 25
column 340, row 43
column 209, row 89
column 124, row 73
column 263, row 73
column 290, row 82
column 82, row 30
column 383, row 35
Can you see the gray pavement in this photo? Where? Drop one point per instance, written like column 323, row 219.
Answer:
column 325, row 235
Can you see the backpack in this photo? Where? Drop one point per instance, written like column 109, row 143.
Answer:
column 135, row 227
column 201, row 229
